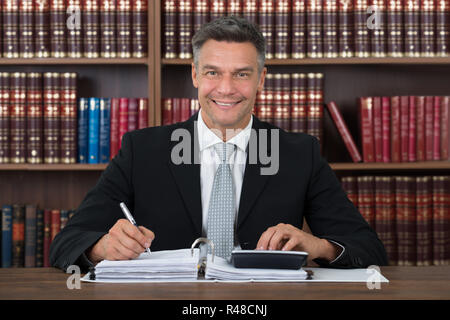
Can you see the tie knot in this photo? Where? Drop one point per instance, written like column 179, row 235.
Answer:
column 224, row 150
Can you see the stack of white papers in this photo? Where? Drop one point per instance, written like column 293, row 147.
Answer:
column 167, row 265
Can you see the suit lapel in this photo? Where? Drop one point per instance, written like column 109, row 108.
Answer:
column 187, row 176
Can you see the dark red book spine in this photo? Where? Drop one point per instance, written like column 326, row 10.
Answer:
column 218, row 9
column 91, row 28
column 185, row 109
column 26, row 29
column 350, row 186
column 18, row 236
column 52, row 123
column 108, row 36
column 5, row 118
column 261, row 104
column 132, row 114
column 18, row 117
column 185, row 16
column 139, row 23
column 395, row 129
column 440, row 220
column 123, row 19
column 250, row 10
column 47, row 236
column 437, row 128
column 366, row 123
column 142, row 113
column 34, row 118
column 330, row 29
column 378, row 33
column 123, row 118
column 166, row 111
column 314, row 109
column 314, row 48
column 424, row 206
column 386, row 128
column 286, row 102
column 200, row 13
column 412, row 154
column 377, row 129
column 234, row 7
column 176, row 110
column 283, row 29
column 345, row 34
column 298, row 40
column 412, row 28
column 442, row 27
column 10, row 37
column 55, row 223
column 344, row 132
column 73, row 19
column 278, row 101
column 445, row 128
column 68, row 106
column 429, row 117
column 427, row 28
column 58, row 27
column 298, row 102
column 114, row 128
column 270, row 94
column 42, row 28
column 169, row 29
column 366, row 198
column 404, row 128
column 267, row 25
column 420, row 106
column 395, row 27
column 361, row 35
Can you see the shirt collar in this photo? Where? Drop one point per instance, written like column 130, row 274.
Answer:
column 207, row 138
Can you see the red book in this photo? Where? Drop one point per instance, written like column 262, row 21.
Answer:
column 18, row 117
column 201, row 13
column 47, row 236
column 298, row 102
column 424, row 205
column 185, row 111
column 250, row 10
column 437, row 128
column 114, row 128
column 445, row 128
column 234, row 7
column 282, row 29
column 377, row 129
column 412, row 130
column 132, row 114
column 123, row 118
column 420, row 132
column 386, row 128
column 166, row 111
column 366, row 123
column 142, row 113
column 395, row 129
column 429, row 117
column 298, row 35
column 404, row 128
column 269, row 86
column 286, row 101
column 184, row 29
column 55, row 224
column 344, row 132
column 218, row 8
column 278, row 102
column 366, row 198
column 169, row 36
column 176, row 110
column 350, row 186
column 18, row 236
column 266, row 24
column 440, row 220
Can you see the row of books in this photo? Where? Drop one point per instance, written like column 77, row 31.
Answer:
column 411, row 215
column 102, row 122
column 405, row 128
column 178, row 109
column 27, row 232
column 74, row 28
column 317, row 28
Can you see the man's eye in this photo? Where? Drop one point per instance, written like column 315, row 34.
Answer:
column 211, row 73
column 242, row 75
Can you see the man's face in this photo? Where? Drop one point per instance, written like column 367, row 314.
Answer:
column 227, row 80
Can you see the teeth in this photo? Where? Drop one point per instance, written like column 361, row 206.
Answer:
column 224, row 104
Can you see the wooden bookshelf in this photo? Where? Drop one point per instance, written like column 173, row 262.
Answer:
column 73, row 61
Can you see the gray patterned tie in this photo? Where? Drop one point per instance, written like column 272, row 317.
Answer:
column 222, row 205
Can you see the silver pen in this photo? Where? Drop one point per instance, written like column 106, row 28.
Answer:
column 130, row 218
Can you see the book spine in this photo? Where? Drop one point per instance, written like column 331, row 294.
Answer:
column 412, row 154
column 270, row 94
column 404, row 129
column 124, row 28
column 366, row 198
column 139, row 22
column 437, row 128
column 377, row 129
column 42, row 29
column 218, row 9
column 170, row 27
column 68, row 150
column 123, row 118
column 47, row 237
column 94, row 122
column 445, row 128
column 378, row 33
column 39, row 238
column 278, row 102
column 361, row 34
column 185, row 107
column 132, row 114
column 350, row 185
column 5, row 117
column 73, row 22
column 261, row 104
column 315, row 106
column 420, row 124
column 90, row 18
column 234, row 7
column 386, row 128
column 18, row 117
column 395, row 129
column 58, row 27
column 167, row 111
column 195, row 106
column 52, row 121
column 18, row 236
column 429, row 117
column 200, row 14
column 286, row 101
column 26, row 32
column 427, row 28
column 346, row 26
column 185, row 15
column 64, row 218
column 6, row 236
column 442, row 28
column 250, row 10
column 282, row 29
column 298, row 40
column 30, row 236
column 104, row 128
column 298, row 98
column 176, row 110
column 314, row 48
column 440, row 220
column 10, row 28
column 83, row 129
column 267, row 25
column 108, row 36
column 366, row 123
column 344, row 132
column 143, row 113
column 114, row 128
column 395, row 28
column 55, row 226
column 424, row 205
column 330, row 29
column 34, row 117
column 412, row 28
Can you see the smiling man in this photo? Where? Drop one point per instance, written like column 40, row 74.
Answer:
column 220, row 194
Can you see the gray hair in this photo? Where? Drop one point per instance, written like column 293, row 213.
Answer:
column 230, row 29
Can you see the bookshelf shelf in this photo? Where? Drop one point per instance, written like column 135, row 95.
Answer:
column 421, row 165
column 331, row 61
column 53, row 167
column 74, row 61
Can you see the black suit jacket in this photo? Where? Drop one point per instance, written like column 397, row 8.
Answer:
column 165, row 198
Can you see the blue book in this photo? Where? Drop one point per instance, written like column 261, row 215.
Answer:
column 105, row 111
column 6, row 236
column 83, row 117
column 94, row 128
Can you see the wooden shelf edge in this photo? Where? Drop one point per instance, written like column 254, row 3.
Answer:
column 423, row 165
column 63, row 61
column 53, row 167
column 331, row 61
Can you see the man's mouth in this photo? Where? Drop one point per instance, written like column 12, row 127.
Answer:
column 226, row 104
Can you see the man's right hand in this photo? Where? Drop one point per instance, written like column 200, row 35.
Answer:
column 123, row 242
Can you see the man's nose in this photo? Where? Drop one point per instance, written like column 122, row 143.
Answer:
column 226, row 85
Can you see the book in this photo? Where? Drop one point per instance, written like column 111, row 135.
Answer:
column 114, row 128
column 52, row 115
column 124, row 28
column 94, row 130
column 83, row 130
column 91, row 28
column 424, row 206
column 184, row 29
column 58, row 45
column 4, row 118
column 18, row 235
column 6, row 236
column 108, row 35
column 34, row 113
column 366, row 124
column 30, row 235
column 18, row 117
column 104, row 130
column 68, row 106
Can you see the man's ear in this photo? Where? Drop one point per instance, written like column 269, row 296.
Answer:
column 194, row 76
column 262, row 77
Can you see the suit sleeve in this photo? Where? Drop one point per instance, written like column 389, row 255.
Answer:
column 97, row 213
column 332, row 216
